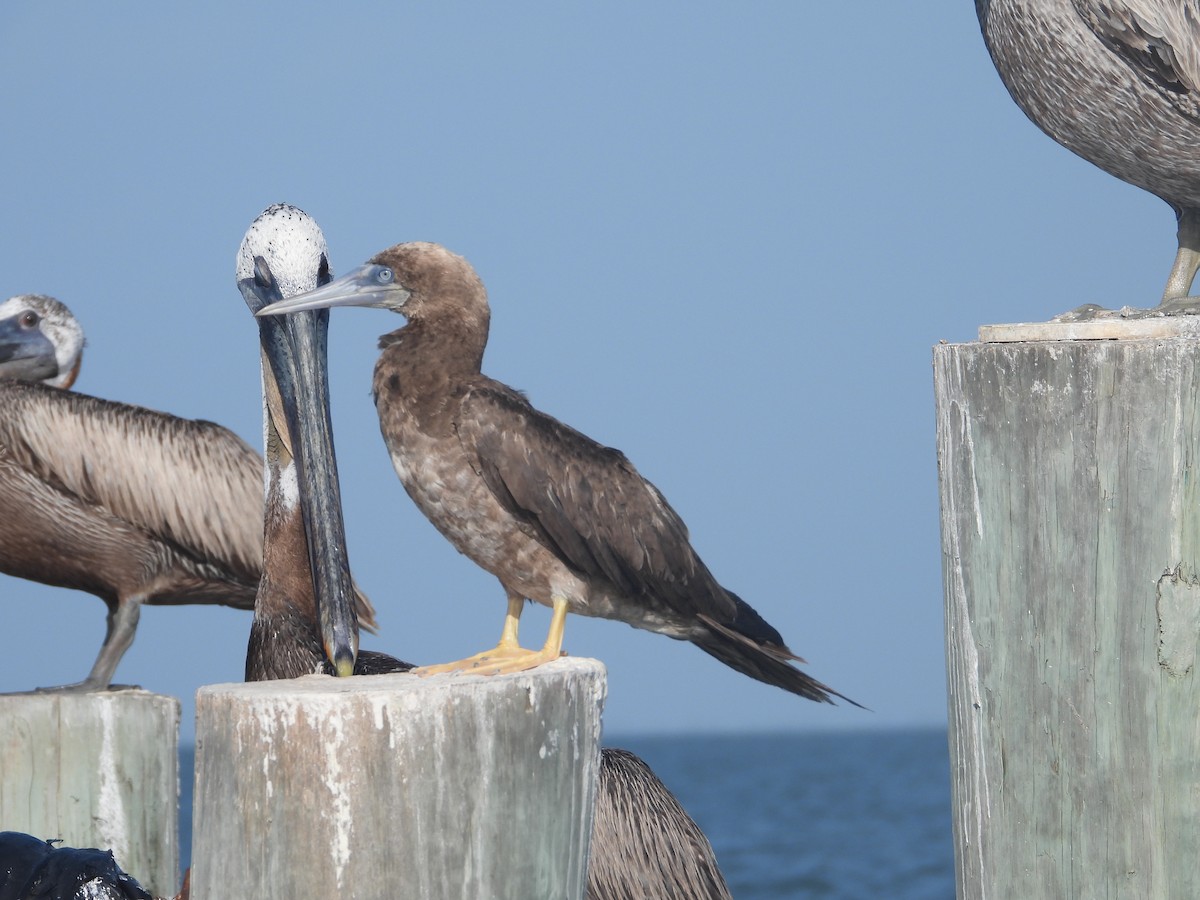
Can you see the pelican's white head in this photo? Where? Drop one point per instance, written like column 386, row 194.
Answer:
column 293, row 246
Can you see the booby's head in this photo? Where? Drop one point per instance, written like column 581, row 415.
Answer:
column 283, row 254
column 419, row 280
column 40, row 340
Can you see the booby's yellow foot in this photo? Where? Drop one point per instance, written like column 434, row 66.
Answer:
column 507, row 656
column 494, row 662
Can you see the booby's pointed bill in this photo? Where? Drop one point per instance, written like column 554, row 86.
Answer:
column 26, row 354
column 369, row 285
column 295, row 352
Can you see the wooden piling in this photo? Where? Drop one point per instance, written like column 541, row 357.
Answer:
column 1071, row 562
column 396, row 786
column 96, row 770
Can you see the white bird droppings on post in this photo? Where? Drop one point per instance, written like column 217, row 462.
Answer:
column 96, row 770
column 110, row 807
column 446, row 787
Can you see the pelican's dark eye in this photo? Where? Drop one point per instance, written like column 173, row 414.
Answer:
column 262, row 273
column 386, row 276
column 323, row 274
column 29, row 319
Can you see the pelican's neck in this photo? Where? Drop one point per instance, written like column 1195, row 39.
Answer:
column 284, row 638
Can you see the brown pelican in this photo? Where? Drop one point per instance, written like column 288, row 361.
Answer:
column 303, row 621
column 643, row 843
column 1117, row 82
column 656, row 850
column 557, row 517
column 132, row 505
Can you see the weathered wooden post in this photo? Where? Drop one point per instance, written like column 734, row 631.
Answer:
column 96, row 770
column 1071, row 561
column 395, row 786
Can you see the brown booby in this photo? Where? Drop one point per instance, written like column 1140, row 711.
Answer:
column 1118, row 83
column 132, row 505
column 558, row 518
column 643, row 842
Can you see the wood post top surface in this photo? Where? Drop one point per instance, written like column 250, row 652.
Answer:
column 403, row 683
column 1108, row 326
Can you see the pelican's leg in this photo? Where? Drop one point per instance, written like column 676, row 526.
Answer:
column 1175, row 300
column 508, row 656
column 122, row 625
column 1187, row 261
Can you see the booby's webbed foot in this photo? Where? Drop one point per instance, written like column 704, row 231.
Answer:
column 497, row 661
column 508, row 656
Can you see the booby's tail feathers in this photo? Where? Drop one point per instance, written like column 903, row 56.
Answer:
column 751, row 646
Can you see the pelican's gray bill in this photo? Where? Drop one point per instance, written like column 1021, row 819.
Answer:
column 368, row 285
column 294, row 349
column 26, row 354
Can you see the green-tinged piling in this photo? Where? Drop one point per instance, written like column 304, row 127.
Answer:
column 96, row 770
column 1071, row 558
column 396, row 786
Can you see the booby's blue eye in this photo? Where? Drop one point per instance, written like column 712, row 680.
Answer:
column 386, row 276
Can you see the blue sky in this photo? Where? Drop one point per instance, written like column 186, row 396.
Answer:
column 721, row 238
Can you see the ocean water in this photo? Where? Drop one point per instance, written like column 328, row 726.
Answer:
column 843, row 815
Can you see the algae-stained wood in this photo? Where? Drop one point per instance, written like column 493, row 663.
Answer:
column 1071, row 566
column 452, row 787
column 96, row 770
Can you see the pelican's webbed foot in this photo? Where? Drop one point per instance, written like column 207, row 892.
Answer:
column 1091, row 312
column 85, row 687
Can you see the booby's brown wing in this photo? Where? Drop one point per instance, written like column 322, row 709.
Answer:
column 586, row 503
column 1159, row 39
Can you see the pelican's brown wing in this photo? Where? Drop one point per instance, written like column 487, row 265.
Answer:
column 186, row 481
column 191, row 483
column 1158, row 39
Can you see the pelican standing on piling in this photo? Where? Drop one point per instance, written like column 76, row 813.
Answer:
column 1117, row 82
column 304, row 554
column 132, row 505
column 558, row 518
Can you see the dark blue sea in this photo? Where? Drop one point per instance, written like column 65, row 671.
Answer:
column 845, row 815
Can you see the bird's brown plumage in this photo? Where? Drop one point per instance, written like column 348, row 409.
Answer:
column 285, row 250
column 130, row 504
column 644, row 844
column 544, row 508
column 1117, row 82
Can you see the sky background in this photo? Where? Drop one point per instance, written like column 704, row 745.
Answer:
column 720, row 237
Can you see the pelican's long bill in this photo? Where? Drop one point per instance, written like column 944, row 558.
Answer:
column 368, row 285
column 26, row 354
column 296, row 377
